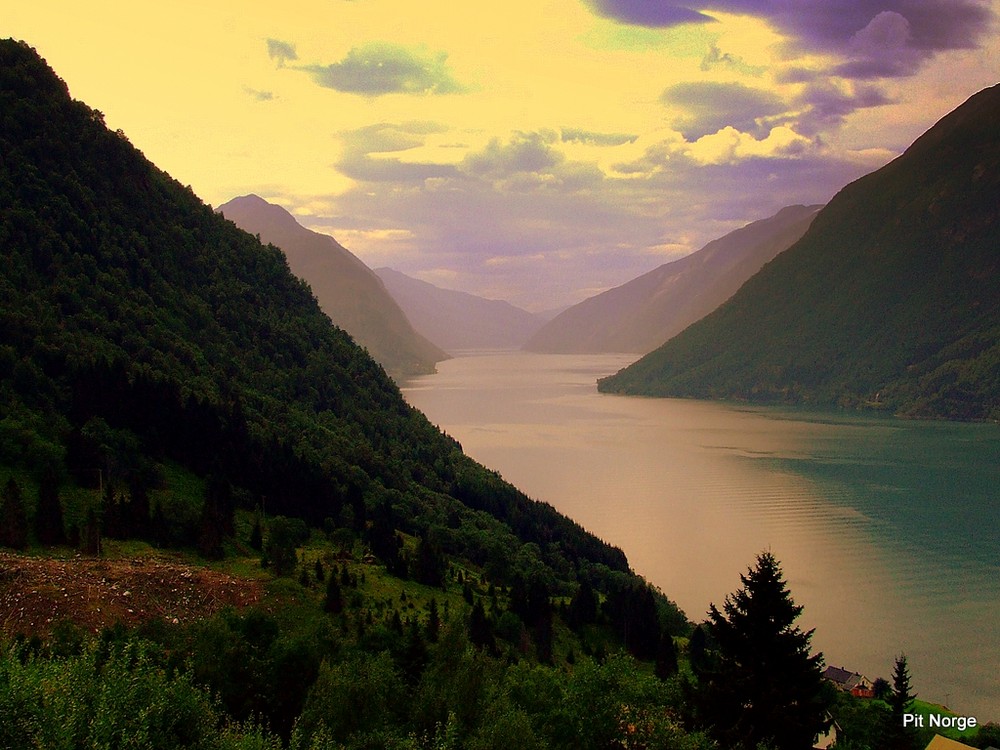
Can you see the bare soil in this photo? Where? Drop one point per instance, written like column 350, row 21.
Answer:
column 38, row 592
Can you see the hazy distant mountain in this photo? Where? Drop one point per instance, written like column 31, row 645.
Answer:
column 457, row 320
column 891, row 299
column 640, row 315
column 348, row 291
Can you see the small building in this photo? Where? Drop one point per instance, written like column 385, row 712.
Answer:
column 943, row 743
column 850, row 682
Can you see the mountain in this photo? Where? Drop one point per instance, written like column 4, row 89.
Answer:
column 640, row 315
column 891, row 300
column 457, row 320
column 148, row 346
column 348, row 291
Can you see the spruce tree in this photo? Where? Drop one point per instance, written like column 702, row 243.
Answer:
column 899, row 736
column 765, row 687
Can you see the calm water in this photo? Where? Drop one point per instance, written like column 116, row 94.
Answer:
column 888, row 531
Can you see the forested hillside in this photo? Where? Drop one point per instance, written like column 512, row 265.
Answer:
column 140, row 330
column 890, row 301
column 346, row 289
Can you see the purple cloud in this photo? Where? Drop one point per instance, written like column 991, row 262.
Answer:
column 826, row 106
column 646, row 12
column 866, row 33
column 709, row 107
column 381, row 68
column 281, row 51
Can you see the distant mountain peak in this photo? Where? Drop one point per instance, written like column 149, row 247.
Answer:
column 458, row 320
column 347, row 290
column 641, row 314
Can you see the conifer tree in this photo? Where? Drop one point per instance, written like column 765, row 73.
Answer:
column 333, row 602
column 49, row 515
column 433, row 621
column 583, row 606
column 765, row 687
column 256, row 537
column 666, row 657
column 900, row 736
column 13, row 519
column 480, row 629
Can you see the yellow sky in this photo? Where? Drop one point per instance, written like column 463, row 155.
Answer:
column 453, row 140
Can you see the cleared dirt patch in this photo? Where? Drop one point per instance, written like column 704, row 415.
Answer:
column 38, row 592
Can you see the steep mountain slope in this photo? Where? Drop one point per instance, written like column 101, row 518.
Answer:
column 457, row 320
column 640, row 315
column 890, row 300
column 347, row 290
column 141, row 332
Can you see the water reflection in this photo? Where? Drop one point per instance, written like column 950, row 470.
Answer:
column 888, row 531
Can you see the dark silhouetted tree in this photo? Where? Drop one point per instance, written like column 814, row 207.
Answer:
column 283, row 537
column 90, row 532
column 333, row 602
column 256, row 540
column 666, row 657
column 48, row 514
column 433, row 621
column 765, row 687
column 480, row 629
column 13, row 519
column 429, row 564
column 899, row 736
column 583, row 606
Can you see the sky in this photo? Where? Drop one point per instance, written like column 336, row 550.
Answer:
column 533, row 151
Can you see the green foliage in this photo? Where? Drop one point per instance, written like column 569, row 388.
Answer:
column 123, row 700
column 284, row 535
column 888, row 302
column 361, row 696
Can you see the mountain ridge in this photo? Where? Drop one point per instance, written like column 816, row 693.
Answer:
column 889, row 301
column 347, row 290
column 643, row 313
column 456, row 320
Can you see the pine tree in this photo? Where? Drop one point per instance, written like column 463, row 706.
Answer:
column 900, row 737
column 765, row 687
column 49, row 515
column 333, row 602
column 433, row 621
column 480, row 629
column 666, row 657
column 13, row 519
column 256, row 537
column 583, row 606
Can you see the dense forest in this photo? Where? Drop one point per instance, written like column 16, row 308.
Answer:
column 168, row 387
column 888, row 302
column 139, row 328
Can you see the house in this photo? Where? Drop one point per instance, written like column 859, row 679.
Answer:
column 943, row 743
column 850, row 682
